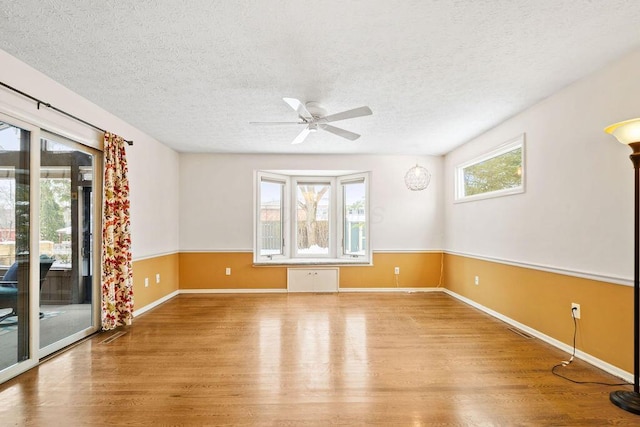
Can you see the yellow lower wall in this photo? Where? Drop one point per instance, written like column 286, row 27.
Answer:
column 167, row 266
column 542, row 301
column 417, row 270
column 207, row 271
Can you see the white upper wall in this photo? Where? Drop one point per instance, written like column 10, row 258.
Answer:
column 154, row 180
column 153, row 168
column 217, row 191
column 577, row 211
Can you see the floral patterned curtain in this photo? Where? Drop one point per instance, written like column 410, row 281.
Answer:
column 117, row 272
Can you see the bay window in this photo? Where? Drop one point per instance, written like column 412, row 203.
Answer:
column 319, row 218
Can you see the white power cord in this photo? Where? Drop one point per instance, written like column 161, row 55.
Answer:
column 573, row 314
column 567, row 362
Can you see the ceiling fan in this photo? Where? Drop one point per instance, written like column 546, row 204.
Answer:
column 315, row 118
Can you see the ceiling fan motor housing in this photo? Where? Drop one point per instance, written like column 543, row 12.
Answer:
column 315, row 109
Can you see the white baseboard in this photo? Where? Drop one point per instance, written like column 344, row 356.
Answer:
column 278, row 291
column 233, row 291
column 405, row 290
column 607, row 367
column 154, row 304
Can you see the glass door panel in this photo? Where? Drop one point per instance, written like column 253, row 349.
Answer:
column 67, row 252
column 14, row 244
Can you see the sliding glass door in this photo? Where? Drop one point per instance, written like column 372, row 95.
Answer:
column 50, row 228
column 68, row 203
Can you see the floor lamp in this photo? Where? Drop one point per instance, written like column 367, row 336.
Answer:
column 628, row 132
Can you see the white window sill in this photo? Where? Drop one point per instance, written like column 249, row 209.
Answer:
column 313, row 261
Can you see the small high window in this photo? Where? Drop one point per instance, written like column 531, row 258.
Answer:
column 497, row 173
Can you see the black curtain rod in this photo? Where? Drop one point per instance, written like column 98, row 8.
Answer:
column 46, row 104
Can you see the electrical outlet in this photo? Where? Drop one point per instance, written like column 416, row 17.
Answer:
column 575, row 308
column 146, row 282
column 227, row 271
column 158, row 278
column 396, row 270
column 477, row 280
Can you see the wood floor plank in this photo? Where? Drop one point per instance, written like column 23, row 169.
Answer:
column 311, row 359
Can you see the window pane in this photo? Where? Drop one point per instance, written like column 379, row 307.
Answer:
column 354, row 218
column 55, row 214
column 271, row 214
column 312, row 218
column 7, row 217
column 502, row 172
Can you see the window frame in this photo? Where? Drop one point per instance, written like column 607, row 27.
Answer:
column 290, row 180
column 331, row 214
column 284, row 219
column 511, row 145
column 340, row 206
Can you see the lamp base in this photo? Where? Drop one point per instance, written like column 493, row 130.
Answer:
column 627, row 400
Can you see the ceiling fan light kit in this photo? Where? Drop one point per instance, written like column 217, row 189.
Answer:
column 314, row 117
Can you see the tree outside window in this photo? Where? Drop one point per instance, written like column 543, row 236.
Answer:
column 313, row 218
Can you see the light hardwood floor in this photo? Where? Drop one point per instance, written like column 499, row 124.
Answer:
column 417, row 359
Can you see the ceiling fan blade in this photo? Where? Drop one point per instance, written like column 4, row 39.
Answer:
column 349, row 114
column 299, row 107
column 340, row 132
column 301, row 136
column 277, row 123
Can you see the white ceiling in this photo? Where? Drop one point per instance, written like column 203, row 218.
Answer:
column 193, row 74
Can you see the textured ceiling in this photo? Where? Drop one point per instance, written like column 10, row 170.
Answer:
column 193, row 74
